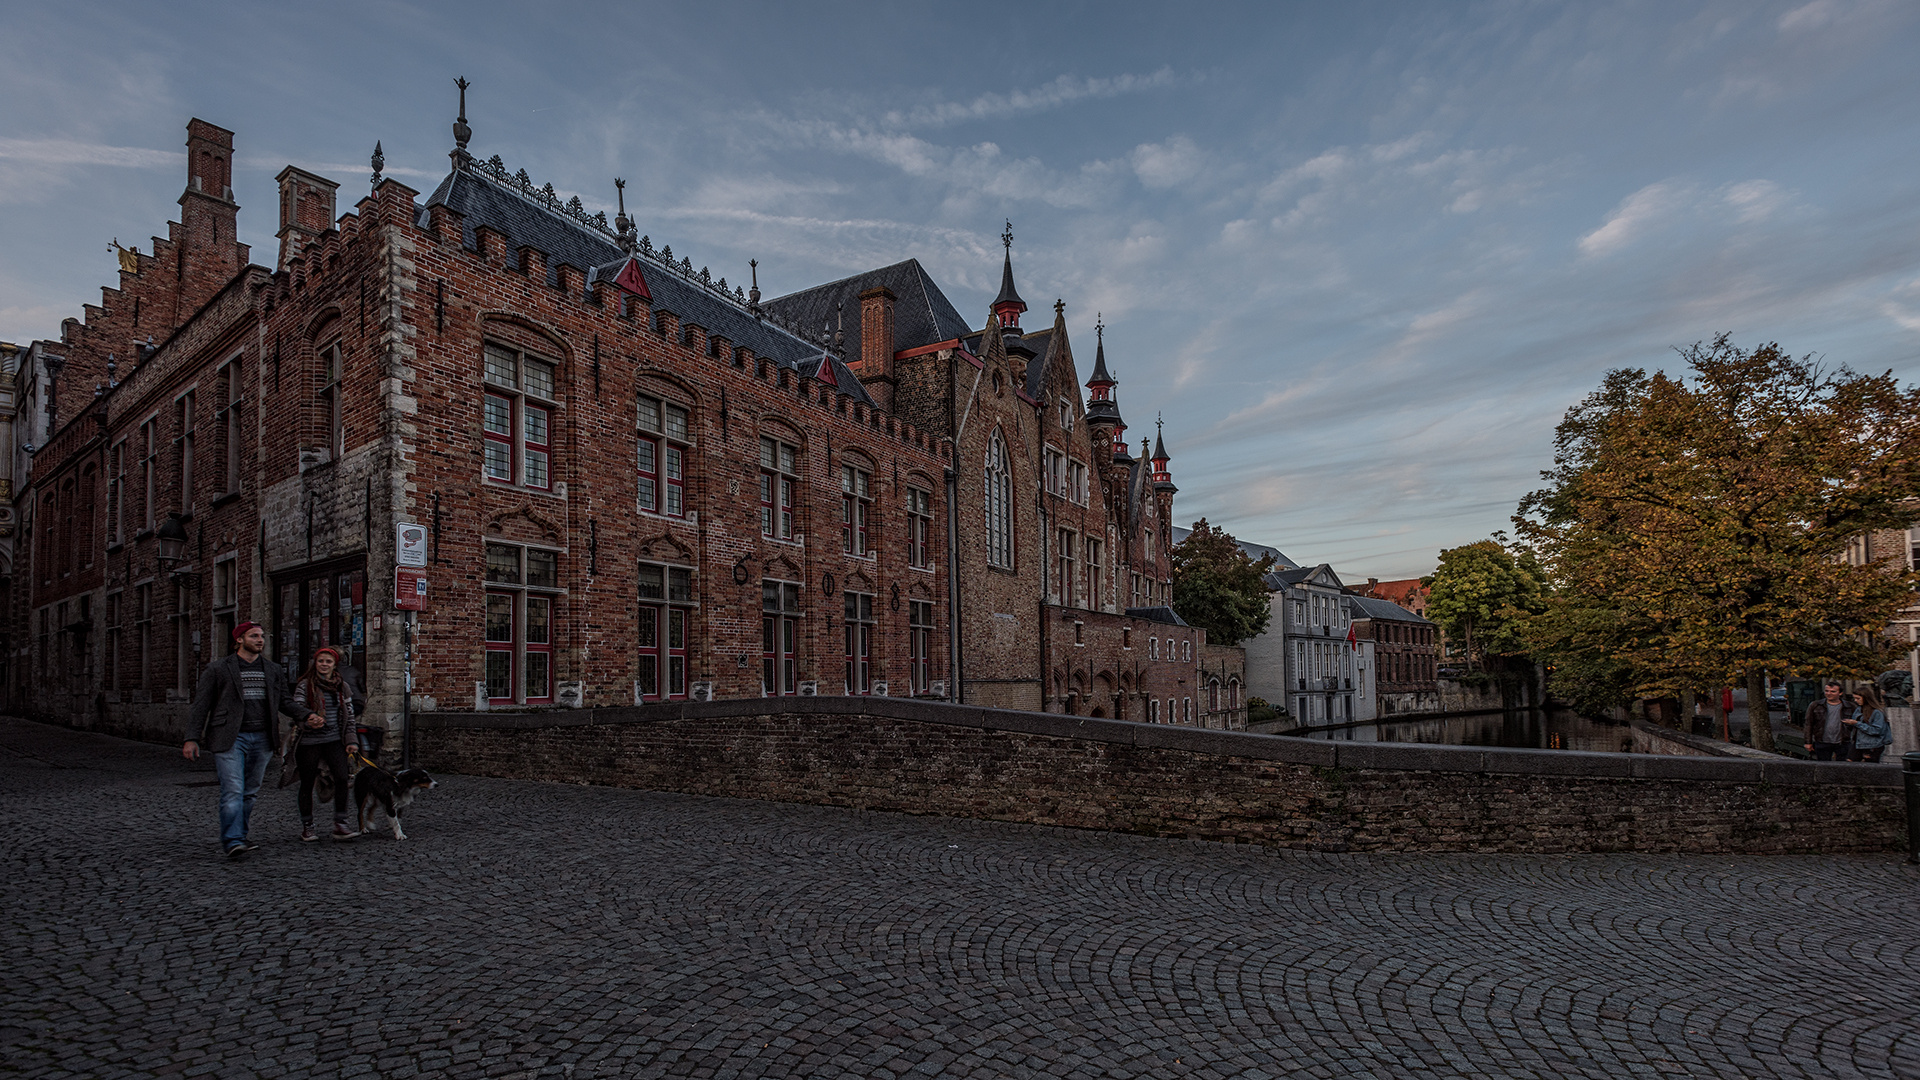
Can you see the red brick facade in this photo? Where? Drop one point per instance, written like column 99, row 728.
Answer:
column 635, row 484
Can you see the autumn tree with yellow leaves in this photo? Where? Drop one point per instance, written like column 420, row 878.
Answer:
column 1694, row 527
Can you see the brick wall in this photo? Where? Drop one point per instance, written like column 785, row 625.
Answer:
column 1047, row 769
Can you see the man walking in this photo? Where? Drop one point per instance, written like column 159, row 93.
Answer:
column 1828, row 733
column 235, row 714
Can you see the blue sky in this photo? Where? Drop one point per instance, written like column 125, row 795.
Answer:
column 1360, row 256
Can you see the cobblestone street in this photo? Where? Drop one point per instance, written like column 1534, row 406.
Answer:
column 539, row 930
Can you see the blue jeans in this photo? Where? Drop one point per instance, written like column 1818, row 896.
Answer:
column 241, row 769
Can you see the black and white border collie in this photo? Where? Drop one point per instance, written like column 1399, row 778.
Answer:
column 392, row 792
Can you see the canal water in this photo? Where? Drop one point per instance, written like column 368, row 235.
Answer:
column 1537, row 729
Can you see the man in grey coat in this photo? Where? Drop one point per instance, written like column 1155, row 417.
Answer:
column 235, row 715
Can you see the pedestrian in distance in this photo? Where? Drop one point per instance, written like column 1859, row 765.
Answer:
column 1829, row 733
column 326, row 702
column 1871, row 734
column 235, row 717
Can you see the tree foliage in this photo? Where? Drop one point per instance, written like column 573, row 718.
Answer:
column 1482, row 594
column 1696, row 528
column 1217, row 586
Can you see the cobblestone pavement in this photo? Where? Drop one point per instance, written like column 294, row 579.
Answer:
column 540, row 930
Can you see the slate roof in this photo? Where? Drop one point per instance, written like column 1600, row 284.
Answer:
column 1038, row 342
column 1366, row 607
column 1280, row 579
column 1160, row 614
column 922, row 314
column 1254, row 551
column 484, row 200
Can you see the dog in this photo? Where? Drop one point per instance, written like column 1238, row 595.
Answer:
column 392, row 792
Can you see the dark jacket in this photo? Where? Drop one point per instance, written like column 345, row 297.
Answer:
column 1817, row 721
column 340, row 727
column 219, row 709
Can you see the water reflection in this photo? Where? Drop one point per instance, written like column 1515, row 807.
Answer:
column 1538, row 729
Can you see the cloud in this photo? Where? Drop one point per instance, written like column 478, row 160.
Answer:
column 1754, row 200
column 1166, row 164
column 70, row 152
column 1635, row 214
column 1064, row 90
column 1809, row 16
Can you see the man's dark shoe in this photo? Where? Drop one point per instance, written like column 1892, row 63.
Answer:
column 236, row 851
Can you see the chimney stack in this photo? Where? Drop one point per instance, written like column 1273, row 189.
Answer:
column 210, row 252
column 306, row 211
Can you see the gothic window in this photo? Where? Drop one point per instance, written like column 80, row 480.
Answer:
column 518, row 418
column 522, row 590
column 666, row 601
column 919, row 527
column 333, row 407
column 999, row 504
column 662, row 457
column 779, row 475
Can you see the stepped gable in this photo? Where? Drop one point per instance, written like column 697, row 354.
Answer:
column 922, row 314
column 482, row 200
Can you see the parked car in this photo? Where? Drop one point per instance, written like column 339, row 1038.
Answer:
column 1777, row 699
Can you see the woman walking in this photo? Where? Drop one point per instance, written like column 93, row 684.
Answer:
column 1873, row 734
column 323, row 695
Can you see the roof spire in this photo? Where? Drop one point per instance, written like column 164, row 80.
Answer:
column 753, row 297
column 379, row 162
column 461, row 132
column 623, row 224
column 1100, row 382
column 1160, row 455
column 1008, row 304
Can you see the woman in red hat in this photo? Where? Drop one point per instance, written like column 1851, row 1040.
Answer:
column 323, row 696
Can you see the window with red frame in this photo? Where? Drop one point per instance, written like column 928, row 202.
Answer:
column 856, row 507
column 919, row 527
column 779, row 637
column 779, row 472
column 859, row 630
column 522, row 589
column 666, row 596
column 662, row 457
column 517, row 419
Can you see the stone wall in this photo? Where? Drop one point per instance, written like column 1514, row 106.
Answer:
column 926, row 758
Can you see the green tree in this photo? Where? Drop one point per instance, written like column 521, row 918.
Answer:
column 1481, row 596
column 1697, row 528
column 1219, row 587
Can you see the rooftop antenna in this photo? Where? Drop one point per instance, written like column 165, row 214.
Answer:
column 379, row 162
column 461, row 132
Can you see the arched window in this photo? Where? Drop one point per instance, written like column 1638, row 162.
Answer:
column 999, row 499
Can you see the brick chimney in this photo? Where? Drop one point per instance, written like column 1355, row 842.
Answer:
column 306, row 210
column 876, row 333
column 209, row 250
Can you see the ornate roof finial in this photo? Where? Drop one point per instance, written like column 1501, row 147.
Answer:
column 1099, row 327
column 753, row 297
column 1059, row 308
column 461, row 132
column 112, row 368
column 379, row 162
column 622, row 224
column 1008, row 304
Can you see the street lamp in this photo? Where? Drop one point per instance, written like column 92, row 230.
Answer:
column 172, row 535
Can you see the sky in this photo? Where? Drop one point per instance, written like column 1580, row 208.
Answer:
column 1359, row 257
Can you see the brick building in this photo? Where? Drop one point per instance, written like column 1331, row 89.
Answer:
column 1401, row 652
column 630, row 482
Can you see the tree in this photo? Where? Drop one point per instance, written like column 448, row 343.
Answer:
column 1219, row 587
column 1696, row 528
column 1481, row 595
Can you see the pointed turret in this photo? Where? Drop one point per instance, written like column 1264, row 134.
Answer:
column 1103, row 413
column 1162, row 479
column 1008, row 304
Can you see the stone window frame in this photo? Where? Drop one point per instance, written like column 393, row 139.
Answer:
column 674, row 602
column 780, row 465
column 665, row 441
column 1095, row 570
column 523, row 597
column 919, row 526
column 523, row 427
column 997, row 503
column 149, row 471
column 186, row 427
column 1066, row 562
column 229, row 380
column 859, row 624
column 857, row 519
column 331, row 369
